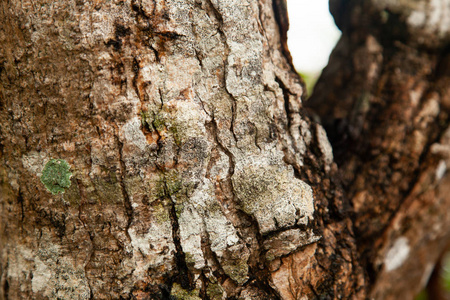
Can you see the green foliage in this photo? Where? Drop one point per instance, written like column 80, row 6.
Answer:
column 310, row 80
column 56, row 176
column 422, row 296
column 446, row 272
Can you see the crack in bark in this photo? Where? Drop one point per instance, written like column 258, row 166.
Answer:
column 20, row 200
column 136, row 68
column 247, row 226
column 4, row 280
column 127, row 202
column 287, row 109
column 256, row 136
column 202, row 104
column 185, row 278
column 233, row 114
column 288, row 155
column 231, row 159
column 226, row 66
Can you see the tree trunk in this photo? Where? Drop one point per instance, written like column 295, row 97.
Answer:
column 158, row 149
column 384, row 100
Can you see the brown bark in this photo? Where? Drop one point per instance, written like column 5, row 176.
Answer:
column 196, row 172
column 384, row 100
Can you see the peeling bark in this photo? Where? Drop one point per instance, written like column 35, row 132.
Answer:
column 196, row 172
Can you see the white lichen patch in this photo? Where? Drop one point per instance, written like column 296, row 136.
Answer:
column 41, row 275
column 185, row 120
column 430, row 16
column 156, row 244
column 98, row 25
column 220, row 169
column 268, row 190
column 202, row 214
column 132, row 133
column 397, row 254
column 429, row 110
column 244, row 61
column 21, row 259
column 55, row 275
column 417, row 18
column 441, row 170
column 191, row 230
column 179, row 76
column 439, row 16
column 443, row 147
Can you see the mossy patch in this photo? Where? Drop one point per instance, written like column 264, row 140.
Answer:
column 146, row 120
column 190, row 259
column 169, row 184
column 214, row 291
column 159, row 121
column 56, row 176
column 160, row 212
column 108, row 191
column 181, row 294
column 254, row 188
column 176, row 135
column 173, row 182
column 237, row 270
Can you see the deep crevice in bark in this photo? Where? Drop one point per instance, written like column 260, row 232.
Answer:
column 287, row 108
column 211, row 257
column 184, row 277
column 247, row 227
column 21, row 201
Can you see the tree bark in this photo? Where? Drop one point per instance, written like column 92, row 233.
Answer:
column 197, row 172
column 384, row 101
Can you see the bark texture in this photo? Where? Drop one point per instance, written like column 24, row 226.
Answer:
column 384, row 99
column 195, row 172
column 180, row 122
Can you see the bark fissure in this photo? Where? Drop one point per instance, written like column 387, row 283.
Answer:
column 247, row 225
column 20, row 200
column 212, row 258
column 127, row 202
column 226, row 66
column 184, row 277
column 287, row 109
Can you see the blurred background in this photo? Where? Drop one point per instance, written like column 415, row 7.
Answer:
column 312, row 36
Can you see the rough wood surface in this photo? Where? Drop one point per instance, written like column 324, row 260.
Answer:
column 384, row 100
column 195, row 171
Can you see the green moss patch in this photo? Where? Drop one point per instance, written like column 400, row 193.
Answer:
column 179, row 293
column 56, row 176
